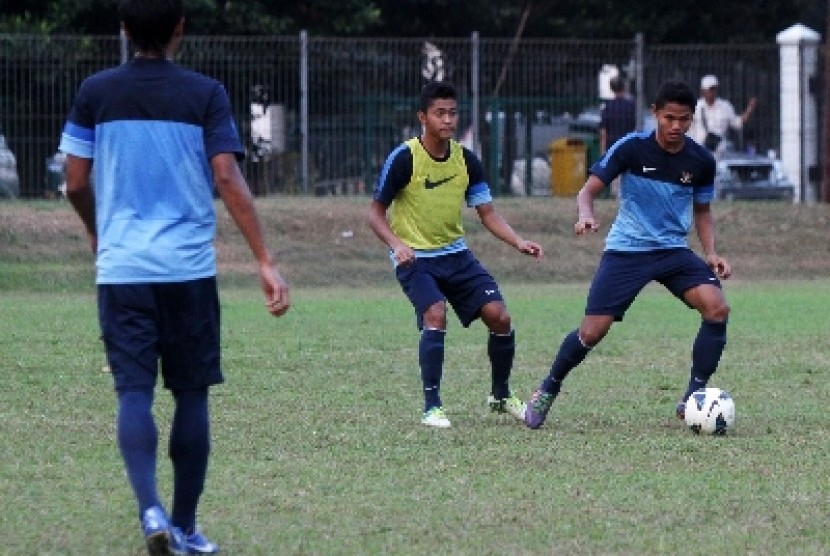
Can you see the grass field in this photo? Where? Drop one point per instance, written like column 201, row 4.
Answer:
column 317, row 446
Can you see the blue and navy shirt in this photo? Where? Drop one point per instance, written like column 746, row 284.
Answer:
column 657, row 191
column 151, row 127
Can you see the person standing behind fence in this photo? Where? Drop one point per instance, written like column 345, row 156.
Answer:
column 617, row 118
column 715, row 116
column 423, row 184
column 160, row 137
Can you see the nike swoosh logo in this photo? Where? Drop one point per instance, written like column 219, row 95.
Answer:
column 433, row 184
column 648, row 169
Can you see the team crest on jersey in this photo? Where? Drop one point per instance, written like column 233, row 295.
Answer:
column 686, row 177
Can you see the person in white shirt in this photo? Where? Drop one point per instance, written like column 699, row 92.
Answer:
column 715, row 116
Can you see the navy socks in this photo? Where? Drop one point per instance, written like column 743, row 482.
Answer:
column 189, row 450
column 431, row 361
column 571, row 353
column 706, row 353
column 501, row 348
column 138, row 442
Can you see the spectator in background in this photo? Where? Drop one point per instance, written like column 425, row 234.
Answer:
column 618, row 117
column 715, row 116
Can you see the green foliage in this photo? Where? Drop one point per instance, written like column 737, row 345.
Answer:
column 317, row 447
column 677, row 22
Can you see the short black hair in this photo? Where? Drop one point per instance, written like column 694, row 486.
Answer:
column 150, row 23
column 676, row 91
column 616, row 84
column 435, row 90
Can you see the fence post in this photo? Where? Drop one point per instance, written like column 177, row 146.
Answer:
column 125, row 46
column 798, row 48
column 639, row 78
column 304, row 162
column 474, row 78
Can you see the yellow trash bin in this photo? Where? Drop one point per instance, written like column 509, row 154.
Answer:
column 568, row 166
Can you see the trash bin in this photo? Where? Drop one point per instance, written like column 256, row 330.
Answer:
column 568, row 166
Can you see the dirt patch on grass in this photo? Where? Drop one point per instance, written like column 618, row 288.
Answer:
column 325, row 241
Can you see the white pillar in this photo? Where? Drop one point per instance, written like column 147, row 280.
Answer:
column 798, row 53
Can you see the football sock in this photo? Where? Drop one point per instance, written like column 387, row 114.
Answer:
column 571, row 353
column 189, row 449
column 431, row 361
column 501, row 348
column 706, row 352
column 138, row 442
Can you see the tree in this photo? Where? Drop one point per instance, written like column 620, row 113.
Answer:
column 679, row 22
column 203, row 17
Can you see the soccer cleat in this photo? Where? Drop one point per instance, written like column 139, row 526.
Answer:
column 161, row 539
column 197, row 543
column 435, row 417
column 511, row 404
column 680, row 410
column 537, row 408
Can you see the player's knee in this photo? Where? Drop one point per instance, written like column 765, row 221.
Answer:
column 717, row 313
column 592, row 333
column 501, row 324
column 496, row 318
column 436, row 317
column 590, row 338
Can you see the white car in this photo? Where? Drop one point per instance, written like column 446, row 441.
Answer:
column 751, row 177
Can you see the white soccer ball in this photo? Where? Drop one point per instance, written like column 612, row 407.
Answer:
column 710, row 411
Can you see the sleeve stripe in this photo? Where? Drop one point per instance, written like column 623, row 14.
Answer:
column 78, row 132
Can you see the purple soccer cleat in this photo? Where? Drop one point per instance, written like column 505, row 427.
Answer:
column 537, row 408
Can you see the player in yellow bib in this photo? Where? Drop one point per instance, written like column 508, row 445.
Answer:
column 416, row 211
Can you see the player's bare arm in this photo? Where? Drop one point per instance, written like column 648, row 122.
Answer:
column 379, row 224
column 499, row 227
column 705, row 228
column 80, row 194
column 586, row 221
column 237, row 198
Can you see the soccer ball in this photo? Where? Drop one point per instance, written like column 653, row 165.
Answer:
column 710, row 411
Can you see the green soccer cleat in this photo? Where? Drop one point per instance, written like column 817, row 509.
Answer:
column 435, row 417
column 511, row 404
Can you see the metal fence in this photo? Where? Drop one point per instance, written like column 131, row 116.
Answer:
column 319, row 115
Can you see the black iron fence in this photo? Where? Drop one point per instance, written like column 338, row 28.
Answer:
column 319, row 115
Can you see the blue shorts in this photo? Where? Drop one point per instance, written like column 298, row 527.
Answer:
column 177, row 323
column 622, row 275
column 457, row 278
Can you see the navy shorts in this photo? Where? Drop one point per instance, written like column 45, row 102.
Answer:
column 457, row 278
column 175, row 323
column 621, row 276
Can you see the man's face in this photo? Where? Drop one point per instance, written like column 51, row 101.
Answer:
column 440, row 119
column 673, row 121
column 710, row 94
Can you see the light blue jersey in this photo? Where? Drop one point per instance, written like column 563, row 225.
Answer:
column 657, row 191
column 150, row 128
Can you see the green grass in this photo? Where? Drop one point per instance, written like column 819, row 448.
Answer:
column 317, row 447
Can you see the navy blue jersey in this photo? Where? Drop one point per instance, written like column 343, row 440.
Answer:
column 618, row 117
column 151, row 127
column 657, row 191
